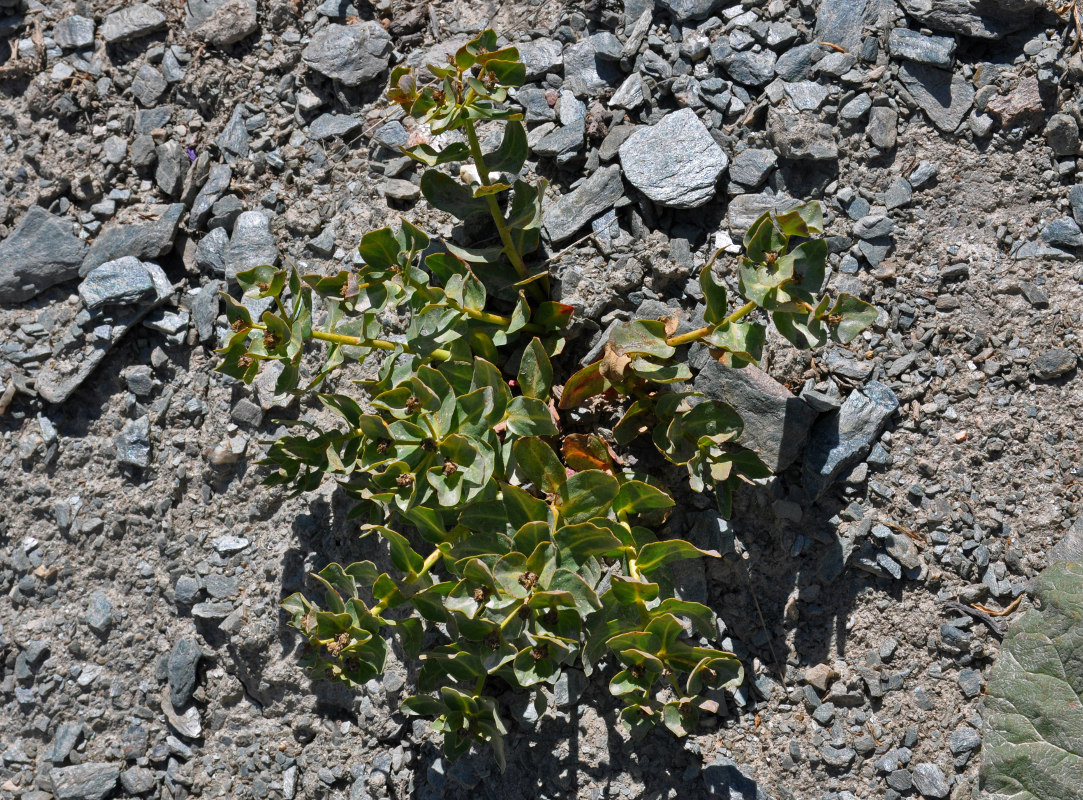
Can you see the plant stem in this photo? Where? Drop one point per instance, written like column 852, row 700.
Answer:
column 699, row 333
column 430, row 560
column 494, row 209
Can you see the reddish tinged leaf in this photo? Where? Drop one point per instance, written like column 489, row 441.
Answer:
column 583, row 451
column 583, row 385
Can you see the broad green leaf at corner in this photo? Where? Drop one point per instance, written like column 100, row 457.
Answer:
column 1032, row 743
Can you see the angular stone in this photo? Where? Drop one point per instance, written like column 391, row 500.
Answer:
column 351, row 54
column 676, row 162
column 41, row 252
column 181, row 669
column 99, row 614
column 540, row 57
column 843, row 22
column 883, row 127
column 137, row 780
column 327, row 125
column 121, row 282
column 776, row 424
column 585, row 74
column 982, row 19
column 930, row 782
column 838, row 441
column 217, row 182
column 231, row 22
column 751, row 167
column 1021, row 106
column 251, row 245
column 90, row 781
column 67, row 736
column 132, row 22
column 148, row 86
column 573, row 211
column 745, row 209
column 801, row 137
column 211, row 251
column 796, row 63
column 133, row 443
column 936, row 51
column 944, row 96
column 690, row 9
column 147, row 241
column 172, row 167
column 1053, row 364
column 233, row 141
column 74, row 33
column 1062, row 134
column 1063, row 232
column 631, row 93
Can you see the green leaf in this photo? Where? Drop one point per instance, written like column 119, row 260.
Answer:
column 714, row 293
column 528, row 416
column 635, row 422
column 636, row 497
column 526, row 205
column 762, row 238
column 743, row 342
column 703, row 618
column 530, row 535
column 654, row 555
column 627, row 591
column 659, row 373
column 447, row 194
column 585, row 539
column 1032, row 745
column 411, row 237
column 535, row 371
column 539, row 464
column 805, row 220
column 380, row 249
column 642, row 336
column 508, row 72
column 492, row 188
column 423, row 706
column 855, row 316
column 522, row 507
column 587, row 494
column 262, row 281
column 430, row 156
column 403, row 556
column 809, row 265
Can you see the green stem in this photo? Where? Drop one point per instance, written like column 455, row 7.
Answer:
column 699, row 333
column 430, row 560
column 479, row 686
column 494, row 209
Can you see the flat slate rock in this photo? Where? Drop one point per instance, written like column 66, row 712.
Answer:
column 125, row 281
column 147, row 241
column 841, row 440
column 90, row 781
column 676, row 162
column 776, row 423
column 945, row 97
column 843, row 22
column 41, row 252
column 132, row 22
column 327, row 125
column 982, row 19
column 351, row 54
column 573, row 211
column 251, row 245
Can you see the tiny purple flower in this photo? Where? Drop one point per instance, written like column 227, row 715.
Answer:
column 191, row 154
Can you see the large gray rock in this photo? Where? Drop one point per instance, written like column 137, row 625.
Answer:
column 251, row 245
column 132, row 22
column 229, row 23
column 126, row 281
column 90, row 781
column 936, row 51
column 74, row 33
column 597, row 194
column 801, row 137
column 776, row 423
column 147, row 241
column 181, row 668
column 584, row 73
column 326, row 126
column 840, row 440
column 945, row 97
column 352, row 54
column 233, row 141
column 983, row 19
column 41, row 252
column 676, row 163
column 690, row 9
column 540, row 57
column 218, row 179
column 843, row 22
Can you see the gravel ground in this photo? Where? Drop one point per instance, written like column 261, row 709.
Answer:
column 149, row 152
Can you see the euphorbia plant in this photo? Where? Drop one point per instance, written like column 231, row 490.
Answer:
column 520, row 545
